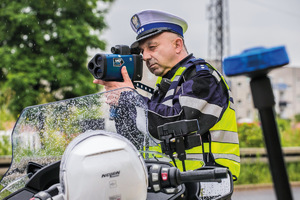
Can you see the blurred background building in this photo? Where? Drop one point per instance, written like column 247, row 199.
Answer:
column 287, row 95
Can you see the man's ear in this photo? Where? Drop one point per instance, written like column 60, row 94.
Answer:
column 178, row 45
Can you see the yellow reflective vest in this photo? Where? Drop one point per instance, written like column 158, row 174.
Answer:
column 224, row 144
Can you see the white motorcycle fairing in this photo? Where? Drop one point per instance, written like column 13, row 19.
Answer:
column 103, row 165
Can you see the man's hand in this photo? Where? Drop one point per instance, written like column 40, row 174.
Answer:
column 113, row 97
column 111, row 85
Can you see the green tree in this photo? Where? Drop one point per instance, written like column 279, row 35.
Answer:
column 43, row 49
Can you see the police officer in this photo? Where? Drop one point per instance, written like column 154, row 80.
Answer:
column 186, row 88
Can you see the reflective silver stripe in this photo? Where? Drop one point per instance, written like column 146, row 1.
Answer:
column 216, row 75
column 169, row 93
column 194, row 156
column 197, row 156
column 168, row 102
column 230, row 93
column 201, row 105
column 176, row 78
column 178, row 87
column 224, row 136
column 227, row 156
column 231, row 105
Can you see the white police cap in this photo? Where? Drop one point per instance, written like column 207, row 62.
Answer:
column 151, row 22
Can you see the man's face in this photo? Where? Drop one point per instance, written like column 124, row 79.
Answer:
column 159, row 53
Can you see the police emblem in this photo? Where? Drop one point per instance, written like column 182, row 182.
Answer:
column 136, row 22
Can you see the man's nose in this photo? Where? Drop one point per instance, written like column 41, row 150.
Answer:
column 146, row 56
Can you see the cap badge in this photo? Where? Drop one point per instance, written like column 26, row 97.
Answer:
column 136, row 22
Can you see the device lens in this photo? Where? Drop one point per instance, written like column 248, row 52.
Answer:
column 98, row 72
column 99, row 60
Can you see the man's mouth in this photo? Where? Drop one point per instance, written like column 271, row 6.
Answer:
column 150, row 65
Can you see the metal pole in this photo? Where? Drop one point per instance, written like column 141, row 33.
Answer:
column 263, row 99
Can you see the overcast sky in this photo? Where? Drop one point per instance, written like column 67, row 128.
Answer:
column 267, row 23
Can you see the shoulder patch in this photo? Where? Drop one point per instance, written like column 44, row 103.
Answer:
column 201, row 67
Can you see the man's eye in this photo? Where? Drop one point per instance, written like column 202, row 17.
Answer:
column 152, row 47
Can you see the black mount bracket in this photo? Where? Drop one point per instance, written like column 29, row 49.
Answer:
column 179, row 136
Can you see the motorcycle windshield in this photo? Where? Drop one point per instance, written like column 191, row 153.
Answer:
column 42, row 132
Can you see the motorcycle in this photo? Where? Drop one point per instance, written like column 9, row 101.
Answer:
column 90, row 147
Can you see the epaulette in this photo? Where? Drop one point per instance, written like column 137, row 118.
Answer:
column 193, row 66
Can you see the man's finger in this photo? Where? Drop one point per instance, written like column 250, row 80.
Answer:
column 125, row 74
column 97, row 81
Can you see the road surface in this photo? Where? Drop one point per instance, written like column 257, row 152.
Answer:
column 262, row 194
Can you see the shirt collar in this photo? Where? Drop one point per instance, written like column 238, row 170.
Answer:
column 171, row 73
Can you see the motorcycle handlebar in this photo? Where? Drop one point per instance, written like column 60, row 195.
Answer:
column 201, row 175
column 161, row 177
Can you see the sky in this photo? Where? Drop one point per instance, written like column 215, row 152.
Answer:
column 252, row 23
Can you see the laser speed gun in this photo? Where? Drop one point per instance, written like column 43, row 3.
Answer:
column 107, row 67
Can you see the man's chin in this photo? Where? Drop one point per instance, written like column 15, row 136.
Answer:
column 156, row 73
